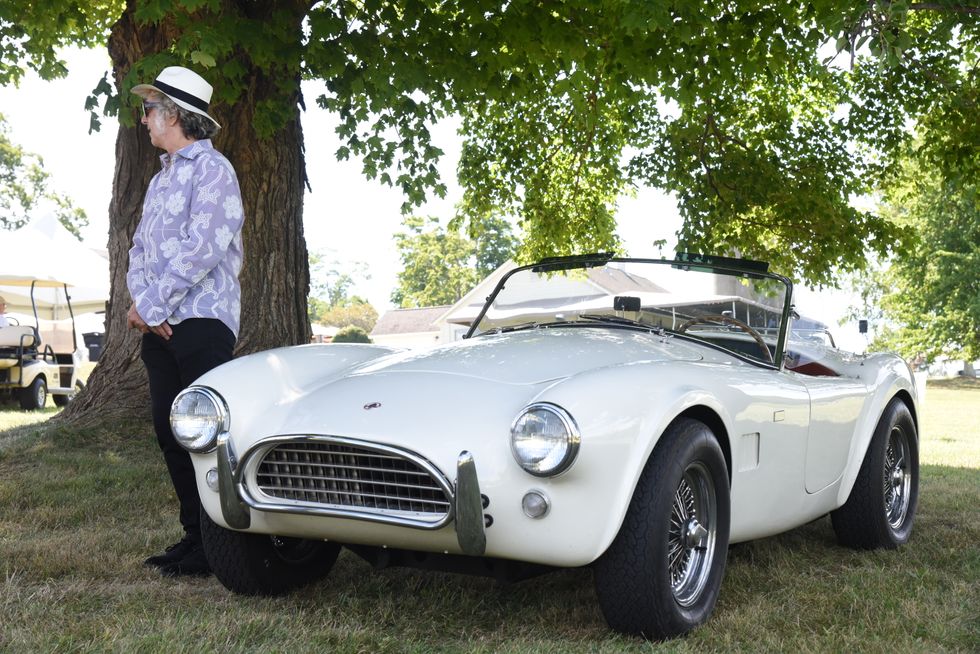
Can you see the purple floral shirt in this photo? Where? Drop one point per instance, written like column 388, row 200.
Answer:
column 187, row 249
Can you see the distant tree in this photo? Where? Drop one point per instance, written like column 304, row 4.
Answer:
column 495, row 244
column 330, row 301
column 315, row 309
column 351, row 334
column 24, row 185
column 437, row 264
column 440, row 265
column 930, row 293
column 358, row 313
column 330, row 282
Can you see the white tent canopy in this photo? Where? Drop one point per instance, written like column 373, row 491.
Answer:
column 44, row 254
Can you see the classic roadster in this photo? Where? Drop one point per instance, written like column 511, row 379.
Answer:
column 635, row 416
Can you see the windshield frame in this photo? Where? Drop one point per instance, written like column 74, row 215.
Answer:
column 743, row 268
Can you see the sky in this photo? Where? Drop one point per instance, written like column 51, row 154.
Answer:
column 347, row 218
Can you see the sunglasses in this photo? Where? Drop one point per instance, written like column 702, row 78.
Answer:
column 148, row 107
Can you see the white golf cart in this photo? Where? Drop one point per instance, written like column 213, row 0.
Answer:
column 32, row 368
column 40, row 351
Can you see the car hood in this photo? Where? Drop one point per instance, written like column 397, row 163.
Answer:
column 537, row 355
column 366, row 391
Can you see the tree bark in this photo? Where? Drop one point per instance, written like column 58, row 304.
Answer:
column 275, row 273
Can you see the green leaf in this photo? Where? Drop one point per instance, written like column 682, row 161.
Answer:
column 203, row 59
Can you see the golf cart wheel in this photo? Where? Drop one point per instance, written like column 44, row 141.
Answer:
column 34, row 396
column 65, row 400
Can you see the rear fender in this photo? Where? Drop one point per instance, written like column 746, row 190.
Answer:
column 887, row 377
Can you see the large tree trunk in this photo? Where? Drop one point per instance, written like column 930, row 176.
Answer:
column 275, row 273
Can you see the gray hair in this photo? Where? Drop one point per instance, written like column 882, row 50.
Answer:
column 193, row 125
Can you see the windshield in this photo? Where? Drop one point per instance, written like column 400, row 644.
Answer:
column 741, row 310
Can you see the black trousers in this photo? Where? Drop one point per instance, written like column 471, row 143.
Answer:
column 195, row 347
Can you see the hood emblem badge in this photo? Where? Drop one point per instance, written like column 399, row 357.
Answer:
column 372, row 405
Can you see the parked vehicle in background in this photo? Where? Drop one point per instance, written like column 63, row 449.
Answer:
column 32, row 368
column 47, row 277
column 636, row 416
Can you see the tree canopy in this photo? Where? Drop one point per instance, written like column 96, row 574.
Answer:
column 24, row 186
column 765, row 119
column 930, row 294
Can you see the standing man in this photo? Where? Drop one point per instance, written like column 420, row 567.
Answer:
column 183, row 276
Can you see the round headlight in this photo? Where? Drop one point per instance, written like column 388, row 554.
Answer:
column 544, row 439
column 197, row 416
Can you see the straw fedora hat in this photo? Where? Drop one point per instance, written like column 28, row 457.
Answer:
column 185, row 87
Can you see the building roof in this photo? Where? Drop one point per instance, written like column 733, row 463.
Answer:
column 409, row 321
column 616, row 281
column 599, row 282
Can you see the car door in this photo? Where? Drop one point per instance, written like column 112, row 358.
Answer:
column 769, row 431
column 835, row 403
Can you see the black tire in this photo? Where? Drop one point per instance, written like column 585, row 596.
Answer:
column 641, row 591
column 65, row 400
column 881, row 507
column 257, row 564
column 35, row 396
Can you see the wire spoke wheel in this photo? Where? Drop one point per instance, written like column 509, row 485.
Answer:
column 880, row 510
column 661, row 576
column 897, row 478
column 692, row 533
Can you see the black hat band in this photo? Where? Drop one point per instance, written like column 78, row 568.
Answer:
column 174, row 92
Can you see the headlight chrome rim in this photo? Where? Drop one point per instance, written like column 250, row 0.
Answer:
column 221, row 411
column 573, row 439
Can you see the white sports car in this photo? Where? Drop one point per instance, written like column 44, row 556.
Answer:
column 635, row 416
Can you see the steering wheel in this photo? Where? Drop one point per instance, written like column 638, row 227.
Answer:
column 730, row 321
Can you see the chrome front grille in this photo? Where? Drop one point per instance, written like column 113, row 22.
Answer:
column 340, row 475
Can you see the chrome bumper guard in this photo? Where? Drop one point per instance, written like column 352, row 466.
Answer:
column 233, row 509
column 470, row 531
column 467, row 503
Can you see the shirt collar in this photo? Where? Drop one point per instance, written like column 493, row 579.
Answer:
column 190, row 151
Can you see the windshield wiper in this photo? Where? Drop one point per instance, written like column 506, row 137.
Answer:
column 616, row 320
column 512, row 328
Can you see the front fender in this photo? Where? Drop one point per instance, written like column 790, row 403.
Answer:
column 620, row 427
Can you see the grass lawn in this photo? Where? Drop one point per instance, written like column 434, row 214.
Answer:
column 79, row 510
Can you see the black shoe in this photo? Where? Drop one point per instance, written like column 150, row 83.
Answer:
column 194, row 564
column 174, row 553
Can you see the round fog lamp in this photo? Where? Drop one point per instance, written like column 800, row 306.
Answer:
column 535, row 504
column 212, row 479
